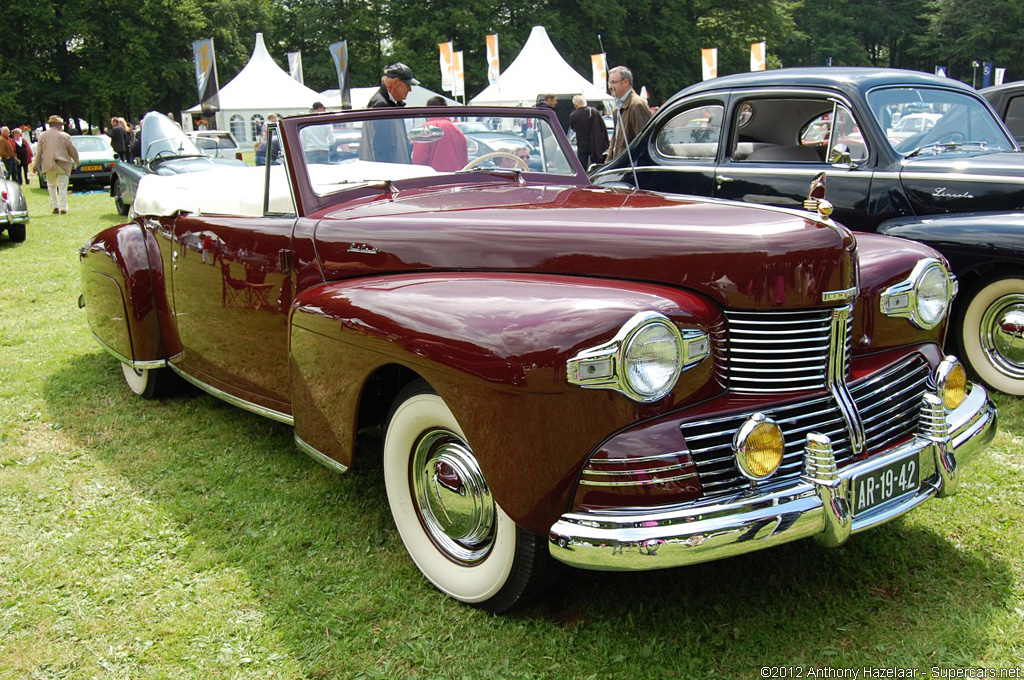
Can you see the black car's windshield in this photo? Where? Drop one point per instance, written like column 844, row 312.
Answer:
column 162, row 137
column 921, row 120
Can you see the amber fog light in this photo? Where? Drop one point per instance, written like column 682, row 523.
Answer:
column 951, row 382
column 759, row 446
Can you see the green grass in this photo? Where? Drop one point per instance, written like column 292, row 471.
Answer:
column 186, row 538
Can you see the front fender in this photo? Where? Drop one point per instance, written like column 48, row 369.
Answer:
column 122, row 288
column 495, row 348
column 970, row 241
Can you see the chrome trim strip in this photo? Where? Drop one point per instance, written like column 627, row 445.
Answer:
column 671, row 536
column 642, row 482
column 233, row 400
column 141, row 365
column 836, row 383
column 321, row 458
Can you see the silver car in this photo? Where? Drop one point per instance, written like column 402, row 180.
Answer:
column 13, row 210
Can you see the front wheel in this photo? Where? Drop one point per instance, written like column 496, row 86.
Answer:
column 991, row 334
column 453, row 529
column 149, row 383
column 122, row 208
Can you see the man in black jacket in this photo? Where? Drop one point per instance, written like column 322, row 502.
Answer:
column 385, row 140
column 591, row 134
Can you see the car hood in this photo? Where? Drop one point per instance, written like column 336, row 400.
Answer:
column 739, row 255
column 964, row 183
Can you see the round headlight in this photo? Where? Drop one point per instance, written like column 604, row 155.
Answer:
column 759, row 447
column 651, row 360
column 951, row 382
column 932, row 296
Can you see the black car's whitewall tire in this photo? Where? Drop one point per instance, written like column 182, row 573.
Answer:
column 455, row 532
column 991, row 334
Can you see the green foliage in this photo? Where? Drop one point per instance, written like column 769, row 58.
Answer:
column 118, row 57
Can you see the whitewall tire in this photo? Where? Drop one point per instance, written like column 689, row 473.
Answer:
column 148, row 383
column 453, row 529
column 992, row 334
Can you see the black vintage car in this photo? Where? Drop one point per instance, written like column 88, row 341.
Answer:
column 1008, row 101
column 164, row 150
column 901, row 152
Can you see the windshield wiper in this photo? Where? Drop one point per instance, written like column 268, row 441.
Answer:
column 939, row 147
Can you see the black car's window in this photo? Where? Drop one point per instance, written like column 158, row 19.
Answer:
column 774, row 129
column 691, row 134
column 1015, row 117
column 921, row 119
column 829, row 130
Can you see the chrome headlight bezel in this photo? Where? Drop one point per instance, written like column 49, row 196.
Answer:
column 741, row 445
column 905, row 299
column 604, row 366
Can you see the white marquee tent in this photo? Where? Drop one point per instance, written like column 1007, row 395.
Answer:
column 538, row 69
column 259, row 89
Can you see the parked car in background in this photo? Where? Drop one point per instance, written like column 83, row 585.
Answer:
column 611, row 378
column 216, row 143
column 96, row 159
column 13, row 210
column 1008, row 101
column 879, row 176
column 165, row 150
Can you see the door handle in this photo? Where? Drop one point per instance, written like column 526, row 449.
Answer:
column 722, row 179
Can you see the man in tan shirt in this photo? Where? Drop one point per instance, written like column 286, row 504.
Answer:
column 56, row 155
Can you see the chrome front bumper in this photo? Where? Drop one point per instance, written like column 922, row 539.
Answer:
column 818, row 504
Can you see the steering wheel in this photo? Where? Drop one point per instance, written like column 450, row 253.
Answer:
column 520, row 163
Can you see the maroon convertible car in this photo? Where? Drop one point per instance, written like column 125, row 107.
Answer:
column 613, row 379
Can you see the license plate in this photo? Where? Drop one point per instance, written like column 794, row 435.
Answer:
column 91, row 168
column 873, row 488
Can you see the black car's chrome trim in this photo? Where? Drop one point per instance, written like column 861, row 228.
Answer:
column 233, row 400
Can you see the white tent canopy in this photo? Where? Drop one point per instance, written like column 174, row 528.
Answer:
column 259, row 89
column 539, row 69
column 361, row 97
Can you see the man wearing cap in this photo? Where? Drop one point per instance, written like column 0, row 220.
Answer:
column 385, row 140
column 55, row 156
column 631, row 111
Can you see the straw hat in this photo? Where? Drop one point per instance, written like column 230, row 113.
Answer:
column 55, row 120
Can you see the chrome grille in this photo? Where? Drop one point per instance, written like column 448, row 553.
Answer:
column 778, row 351
column 888, row 402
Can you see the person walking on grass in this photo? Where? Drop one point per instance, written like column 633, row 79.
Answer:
column 55, row 156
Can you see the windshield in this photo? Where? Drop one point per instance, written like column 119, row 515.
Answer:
column 920, row 120
column 419, row 143
column 162, row 137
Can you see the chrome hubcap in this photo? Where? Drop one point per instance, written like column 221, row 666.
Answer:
column 454, row 503
column 1002, row 335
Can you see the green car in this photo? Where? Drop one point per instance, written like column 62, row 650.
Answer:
column 96, row 160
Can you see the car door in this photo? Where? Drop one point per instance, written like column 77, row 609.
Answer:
column 684, row 149
column 777, row 145
column 233, row 286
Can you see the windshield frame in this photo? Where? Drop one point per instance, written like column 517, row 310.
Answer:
column 309, row 201
column 160, row 134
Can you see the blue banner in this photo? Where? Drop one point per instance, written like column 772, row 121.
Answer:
column 339, row 53
column 986, row 74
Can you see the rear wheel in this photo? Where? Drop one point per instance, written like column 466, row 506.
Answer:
column 991, row 333
column 16, row 232
column 453, row 529
column 149, row 383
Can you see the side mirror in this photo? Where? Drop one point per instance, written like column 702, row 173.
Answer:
column 840, row 155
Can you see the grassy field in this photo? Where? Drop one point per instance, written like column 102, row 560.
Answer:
column 186, row 538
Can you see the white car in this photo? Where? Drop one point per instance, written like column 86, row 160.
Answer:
column 216, row 143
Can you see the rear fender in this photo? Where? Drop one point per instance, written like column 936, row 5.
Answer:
column 495, row 349
column 124, row 295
